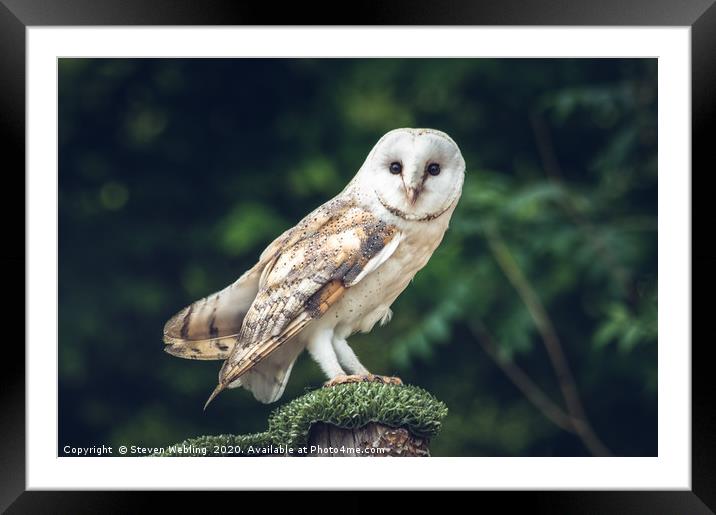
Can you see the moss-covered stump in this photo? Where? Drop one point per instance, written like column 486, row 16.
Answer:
column 353, row 419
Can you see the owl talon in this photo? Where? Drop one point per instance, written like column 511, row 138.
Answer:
column 385, row 380
column 370, row 378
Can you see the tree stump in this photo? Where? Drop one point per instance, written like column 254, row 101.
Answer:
column 370, row 441
column 355, row 416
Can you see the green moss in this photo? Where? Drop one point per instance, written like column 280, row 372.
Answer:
column 349, row 406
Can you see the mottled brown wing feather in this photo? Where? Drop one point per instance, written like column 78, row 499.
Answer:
column 312, row 270
column 209, row 328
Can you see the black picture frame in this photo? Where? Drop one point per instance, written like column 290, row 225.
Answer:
column 17, row 15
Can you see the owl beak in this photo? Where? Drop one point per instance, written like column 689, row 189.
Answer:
column 412, row 194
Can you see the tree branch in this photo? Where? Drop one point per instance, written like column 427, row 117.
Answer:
column 521, row 380
column 551, row 342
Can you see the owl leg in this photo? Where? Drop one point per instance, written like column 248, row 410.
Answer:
column 322, row 352
column 347, row 357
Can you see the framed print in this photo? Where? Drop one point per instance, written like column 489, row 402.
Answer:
column 477, row 227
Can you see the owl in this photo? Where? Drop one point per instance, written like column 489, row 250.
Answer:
column 335, row 273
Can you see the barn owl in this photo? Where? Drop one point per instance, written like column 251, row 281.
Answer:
column 335, row 273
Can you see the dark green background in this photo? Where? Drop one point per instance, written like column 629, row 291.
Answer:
column 174, row 175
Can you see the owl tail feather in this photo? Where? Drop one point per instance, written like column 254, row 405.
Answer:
column 219, row 388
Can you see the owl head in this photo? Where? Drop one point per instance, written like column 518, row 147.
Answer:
column 416, row 174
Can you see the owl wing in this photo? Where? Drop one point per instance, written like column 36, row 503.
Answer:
column 310, row 270
column 209, row 328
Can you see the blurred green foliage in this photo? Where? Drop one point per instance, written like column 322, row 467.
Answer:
column 174, row 175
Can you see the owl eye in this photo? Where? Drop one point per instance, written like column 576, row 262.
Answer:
column 434, row 169
column 395, row 168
